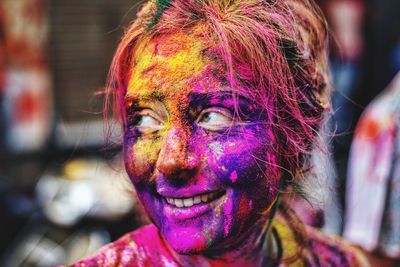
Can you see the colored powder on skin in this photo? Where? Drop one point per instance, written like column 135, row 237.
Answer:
column 145, row 148
column 165, row 56
column 243, row 207
column 206, row 233
column 171, row 66
column 217, row 149
column 147, row 154
column 233, row 176
column 229, row 212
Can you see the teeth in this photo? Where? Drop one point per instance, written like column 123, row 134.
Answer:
column 188, row 202
column 196, row 200
column 178, row 202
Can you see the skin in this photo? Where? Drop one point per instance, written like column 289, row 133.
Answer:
column 182, row 139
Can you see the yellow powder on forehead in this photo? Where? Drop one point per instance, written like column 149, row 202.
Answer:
column 166, row 64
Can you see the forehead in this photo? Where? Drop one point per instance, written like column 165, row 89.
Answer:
column 172, row 66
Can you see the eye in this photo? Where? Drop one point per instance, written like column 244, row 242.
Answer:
column 215, row 119
column 146, row 121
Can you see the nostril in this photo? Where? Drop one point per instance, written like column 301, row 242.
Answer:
column 170, row 166
column 177, row 167
column 175, row 159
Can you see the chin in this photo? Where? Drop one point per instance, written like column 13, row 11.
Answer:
column 188, row 240
column 199, row 240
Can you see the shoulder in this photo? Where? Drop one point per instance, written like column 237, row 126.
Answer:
column 315, row 248
column 142, row 247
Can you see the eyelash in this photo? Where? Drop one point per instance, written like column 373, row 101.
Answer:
column 226, row 113
column 133, row 120
column 137, row 116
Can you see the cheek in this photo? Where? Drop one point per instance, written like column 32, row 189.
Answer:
column 247, row 166
column 246, row 160
column 140, row 157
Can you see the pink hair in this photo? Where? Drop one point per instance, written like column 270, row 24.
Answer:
column 276, row 49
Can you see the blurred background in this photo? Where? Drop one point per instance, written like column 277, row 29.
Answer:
column 63, row 190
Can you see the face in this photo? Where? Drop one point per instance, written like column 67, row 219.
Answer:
column 203, row 174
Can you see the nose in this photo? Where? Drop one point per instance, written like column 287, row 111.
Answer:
column 175, row 160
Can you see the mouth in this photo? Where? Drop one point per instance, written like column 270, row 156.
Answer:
column 195, row 200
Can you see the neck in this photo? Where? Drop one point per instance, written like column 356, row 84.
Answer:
column 255, row 248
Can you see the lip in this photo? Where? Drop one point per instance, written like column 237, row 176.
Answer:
column 186, row 192
column 187, row 213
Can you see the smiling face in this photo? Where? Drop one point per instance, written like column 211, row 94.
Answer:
column 203, row 174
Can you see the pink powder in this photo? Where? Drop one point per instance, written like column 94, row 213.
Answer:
column 233, row 176
column 228, row 211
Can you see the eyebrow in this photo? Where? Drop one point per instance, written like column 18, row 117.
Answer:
column 159, row 96
column 151, row 97
column 195, row 98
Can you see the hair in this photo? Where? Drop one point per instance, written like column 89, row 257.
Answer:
column 275, row 48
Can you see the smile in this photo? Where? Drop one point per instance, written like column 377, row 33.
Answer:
column 195, row 200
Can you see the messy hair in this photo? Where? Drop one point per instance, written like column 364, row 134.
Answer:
column 274, row 48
